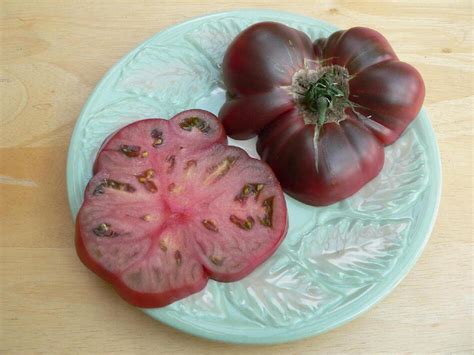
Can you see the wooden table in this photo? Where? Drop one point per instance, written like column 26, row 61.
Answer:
column 52, row 55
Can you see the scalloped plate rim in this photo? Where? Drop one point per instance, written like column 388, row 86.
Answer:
column 282, row 335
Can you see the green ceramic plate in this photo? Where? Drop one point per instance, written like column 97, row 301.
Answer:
column 336, row 261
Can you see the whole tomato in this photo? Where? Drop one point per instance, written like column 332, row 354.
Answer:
column 323, row 111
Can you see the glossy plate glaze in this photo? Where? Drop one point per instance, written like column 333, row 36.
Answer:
column 337, row 261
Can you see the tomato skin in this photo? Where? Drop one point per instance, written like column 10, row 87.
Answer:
column 246, row 116
column 264, row 58
column 385, row 95
column 257, row 67
column 348, row 156
column 391, row 94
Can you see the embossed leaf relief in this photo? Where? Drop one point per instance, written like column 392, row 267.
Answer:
column 213, row 38
column 401, row 181
column 172, row 74
column 279, row 293
column 207, row 304
column 115, row 115
column 352, row 253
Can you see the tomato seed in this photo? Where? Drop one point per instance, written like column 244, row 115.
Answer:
column 248, row 224
column 171, row 161
column 131, row 151
column 157, row 138
column 266, row 222
column 149, row 173
column 216, row 260
column 189, row 167
column 190, row 164
column 163, row 245
column 178, row 257
column 210, row 225
column 157, row 273
column 245, row 224
column 149, row 218
column 150, row 186
column 175, row 188
column 104, row 230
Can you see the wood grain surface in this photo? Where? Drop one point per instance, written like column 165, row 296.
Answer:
column 54, row 52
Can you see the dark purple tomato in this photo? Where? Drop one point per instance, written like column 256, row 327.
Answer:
column 322, row 111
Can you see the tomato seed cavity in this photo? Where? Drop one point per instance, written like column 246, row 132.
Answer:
column 190, row 122
column 112, row 184
column 267, row 219
column 250, row 189
column 220, row 170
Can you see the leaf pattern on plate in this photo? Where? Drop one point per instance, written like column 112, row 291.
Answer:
column 213, row 38
column 173, row 74
column 209, row 303
column 116, row 115
column 280, row 292
column 353, row 253
column 403, row 178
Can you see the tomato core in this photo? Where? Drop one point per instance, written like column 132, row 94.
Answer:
column 322, row 94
